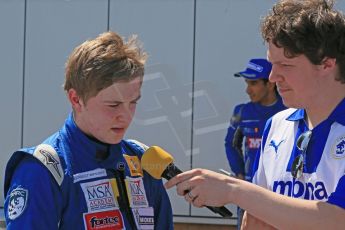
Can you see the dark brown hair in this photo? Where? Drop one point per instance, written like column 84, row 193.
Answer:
column 309, row 27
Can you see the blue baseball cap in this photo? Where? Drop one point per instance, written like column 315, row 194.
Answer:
column 256, row 69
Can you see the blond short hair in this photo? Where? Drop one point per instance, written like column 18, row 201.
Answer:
column 96, row 64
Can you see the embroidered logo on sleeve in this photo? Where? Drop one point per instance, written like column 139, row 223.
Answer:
column 17, row 202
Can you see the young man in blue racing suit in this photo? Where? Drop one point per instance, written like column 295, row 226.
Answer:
column 85, row 176
column 248, row 120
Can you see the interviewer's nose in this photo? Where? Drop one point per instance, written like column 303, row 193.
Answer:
column 274, row 76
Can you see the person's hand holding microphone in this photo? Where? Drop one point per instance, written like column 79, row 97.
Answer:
column 198, row 186
column 205, row 187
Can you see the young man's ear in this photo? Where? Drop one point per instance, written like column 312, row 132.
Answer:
column 75, row 100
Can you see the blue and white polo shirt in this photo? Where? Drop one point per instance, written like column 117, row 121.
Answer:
column 324, row 171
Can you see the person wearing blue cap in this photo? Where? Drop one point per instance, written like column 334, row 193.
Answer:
column 248, row 120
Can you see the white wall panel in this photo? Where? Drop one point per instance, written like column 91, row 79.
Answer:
column 54, row 28
column 164, row 113
column 11, row 65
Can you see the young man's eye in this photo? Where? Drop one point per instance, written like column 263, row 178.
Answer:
column 113, row 105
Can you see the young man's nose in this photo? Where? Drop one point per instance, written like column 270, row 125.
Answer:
column 125, row 114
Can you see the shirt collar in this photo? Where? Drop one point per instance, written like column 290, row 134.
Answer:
column 297, row 115
column 338, row 114
column 86, row 144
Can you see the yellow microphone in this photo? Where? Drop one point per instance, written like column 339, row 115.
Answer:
column 159, row 164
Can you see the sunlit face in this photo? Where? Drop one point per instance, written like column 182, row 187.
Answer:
column 298, row 80
column 258, row 91
column 107, row 115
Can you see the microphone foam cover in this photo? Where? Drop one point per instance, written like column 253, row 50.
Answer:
column 155, row 160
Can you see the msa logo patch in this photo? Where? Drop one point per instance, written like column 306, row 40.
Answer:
column 307, row 191
column 99, row 195
column 253, row 143
column 338, row 149
column 17, row 202
column 137, row 194
column 108, row 220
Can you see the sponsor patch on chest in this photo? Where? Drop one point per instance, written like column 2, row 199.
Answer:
column 89, row 175
column 144, row 218
column 315, row 190
column 107, row 220
column 136, row 192
column 134, row 165
column 99, row 195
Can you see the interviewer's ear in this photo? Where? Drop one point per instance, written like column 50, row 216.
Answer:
column 328, row 63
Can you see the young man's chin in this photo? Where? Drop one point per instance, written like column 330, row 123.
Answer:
column 113, row 139
column 116, row 140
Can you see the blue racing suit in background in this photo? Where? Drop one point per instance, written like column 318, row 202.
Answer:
column 243, row 138
column 68, row 183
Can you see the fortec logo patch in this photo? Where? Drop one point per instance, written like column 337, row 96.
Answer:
column 99, row 195
column 108, row 220
column 295, row 188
